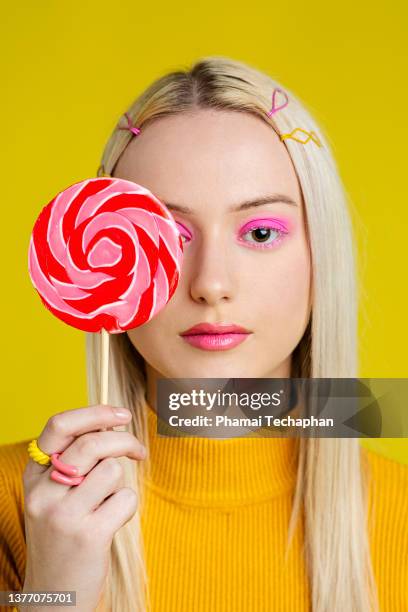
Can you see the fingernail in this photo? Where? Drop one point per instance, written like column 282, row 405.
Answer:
column 122, row 413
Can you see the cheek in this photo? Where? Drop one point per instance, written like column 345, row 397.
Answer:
column 285, row 292
column 149, row 338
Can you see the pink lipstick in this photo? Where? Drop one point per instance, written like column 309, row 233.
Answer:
column 215, row 337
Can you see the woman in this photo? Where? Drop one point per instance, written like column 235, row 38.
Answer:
column 241, row 524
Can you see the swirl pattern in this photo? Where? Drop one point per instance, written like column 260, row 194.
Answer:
column 105, row 253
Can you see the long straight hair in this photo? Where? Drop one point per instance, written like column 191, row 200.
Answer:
column 331, row 487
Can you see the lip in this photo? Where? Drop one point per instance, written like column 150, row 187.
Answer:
column 215, row 328
column 215, row 337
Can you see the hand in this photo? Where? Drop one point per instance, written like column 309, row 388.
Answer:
column 69, row 529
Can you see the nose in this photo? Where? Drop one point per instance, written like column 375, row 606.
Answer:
column 211, row 278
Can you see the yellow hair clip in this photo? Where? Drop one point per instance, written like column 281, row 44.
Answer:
column 310, row 136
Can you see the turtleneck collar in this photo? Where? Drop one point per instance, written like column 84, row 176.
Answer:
column 207, row 471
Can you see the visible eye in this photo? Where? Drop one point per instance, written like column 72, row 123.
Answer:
column 184, row 233
column 263, row 233
column 266, row 233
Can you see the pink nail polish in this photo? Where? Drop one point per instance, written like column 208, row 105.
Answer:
column 67, row 480
column 64, row 468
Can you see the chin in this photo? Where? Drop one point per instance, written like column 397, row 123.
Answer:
column 215, row 370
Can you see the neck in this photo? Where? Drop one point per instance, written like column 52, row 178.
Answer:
column 205, row 471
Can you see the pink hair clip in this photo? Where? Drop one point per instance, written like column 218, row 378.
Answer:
column 132, row 128
column 275, row 108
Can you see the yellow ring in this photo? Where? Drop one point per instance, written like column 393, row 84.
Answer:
column 37, row 454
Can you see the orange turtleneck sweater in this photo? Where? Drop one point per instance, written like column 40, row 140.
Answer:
column 215, row 525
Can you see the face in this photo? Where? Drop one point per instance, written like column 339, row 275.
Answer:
column 247, row 266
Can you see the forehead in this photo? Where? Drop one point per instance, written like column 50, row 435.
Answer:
column 209, row 159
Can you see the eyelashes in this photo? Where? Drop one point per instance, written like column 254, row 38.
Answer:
column 263, row 229
column 266, row 233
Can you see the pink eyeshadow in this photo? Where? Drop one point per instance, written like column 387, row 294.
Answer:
column 274, row 222
column 186, row 231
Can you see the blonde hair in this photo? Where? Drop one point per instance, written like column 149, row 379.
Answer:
column 331, row 489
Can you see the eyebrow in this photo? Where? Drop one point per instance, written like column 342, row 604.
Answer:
column 275, row 198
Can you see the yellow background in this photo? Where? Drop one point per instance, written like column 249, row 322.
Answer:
column 71, row 68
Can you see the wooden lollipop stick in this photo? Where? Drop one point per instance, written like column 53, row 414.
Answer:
column 104, row 366
column 104, row 380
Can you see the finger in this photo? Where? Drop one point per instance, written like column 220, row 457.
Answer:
column 102, row 481
column 116, row 511
column 62, row 428
column 105, row 479
column 87, row 450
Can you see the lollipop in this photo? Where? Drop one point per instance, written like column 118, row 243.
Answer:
column 105, row 256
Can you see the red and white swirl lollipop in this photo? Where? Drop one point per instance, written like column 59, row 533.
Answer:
column 105, row 254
